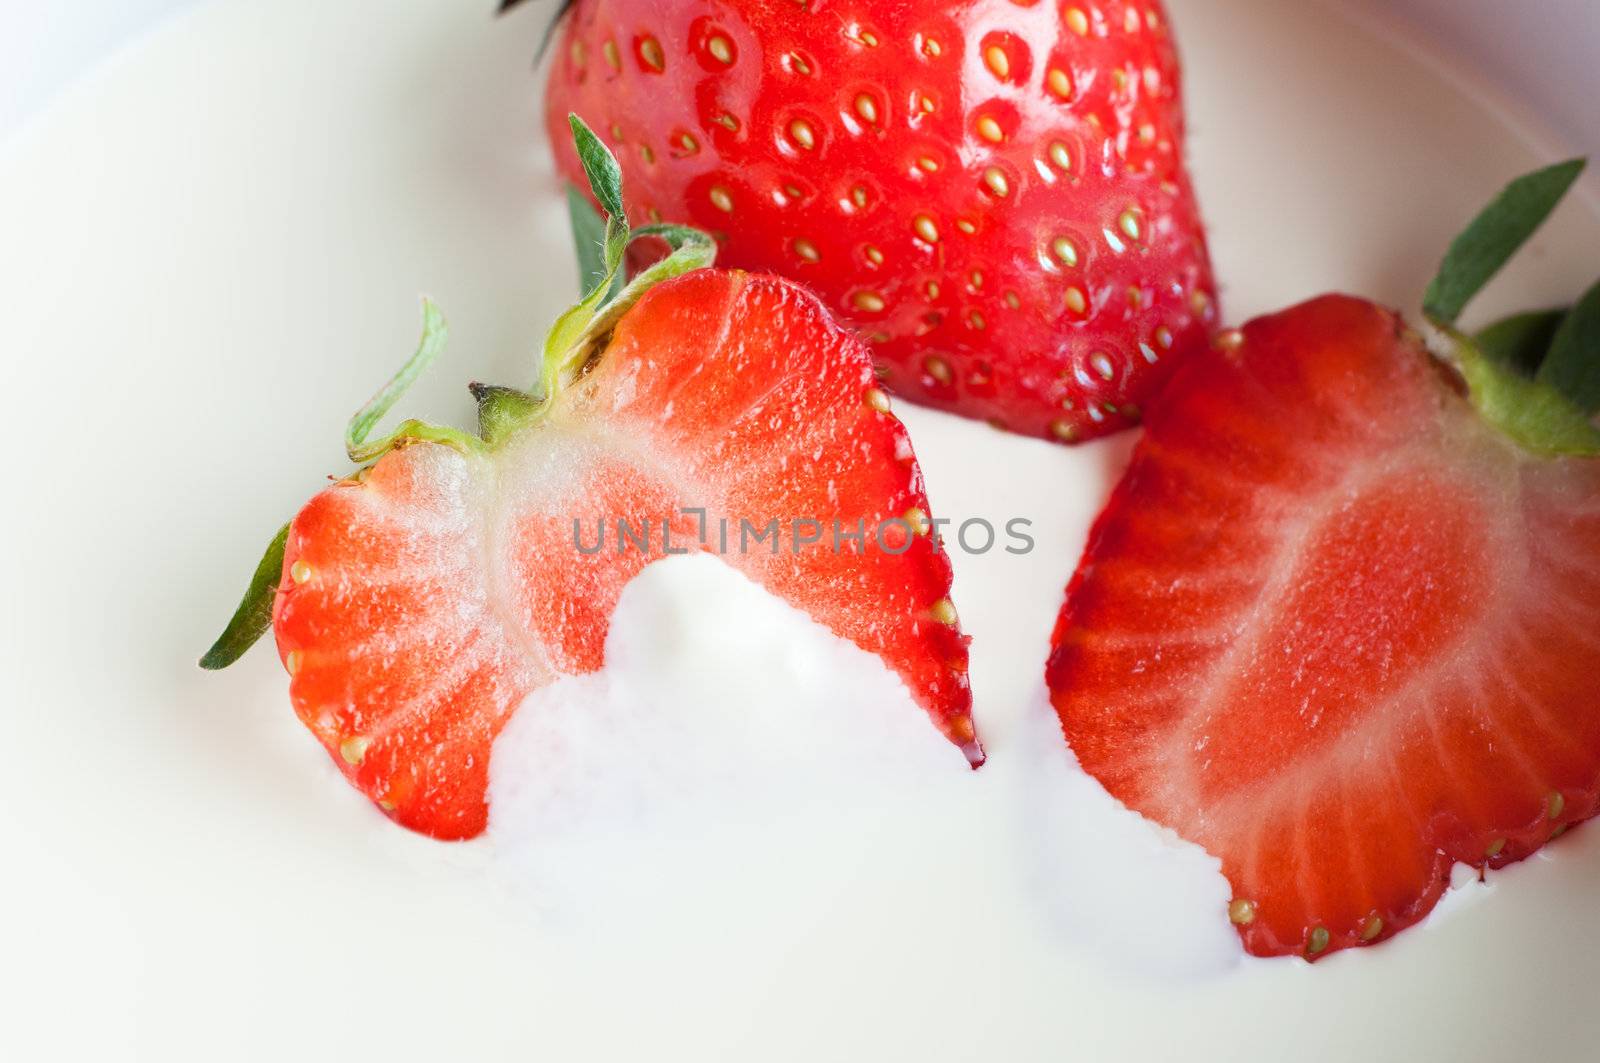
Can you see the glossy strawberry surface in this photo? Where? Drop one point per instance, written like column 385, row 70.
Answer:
column 993, row 193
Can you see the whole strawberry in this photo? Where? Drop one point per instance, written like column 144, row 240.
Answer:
column 993, row 193
column 1338, row 623
column 417, row 602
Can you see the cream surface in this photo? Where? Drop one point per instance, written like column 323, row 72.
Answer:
column 210, row 252
column 735, row 761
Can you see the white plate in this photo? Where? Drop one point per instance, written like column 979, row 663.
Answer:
column 210, row 252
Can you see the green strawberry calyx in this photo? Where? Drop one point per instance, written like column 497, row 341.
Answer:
column 580, row 333
column 1534, row 376
column 575, row 340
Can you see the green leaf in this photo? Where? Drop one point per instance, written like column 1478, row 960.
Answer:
column 600, row 166
column 577, row 333
column 254, row 614
column 605, row 181
column 1573, row 365
column 434, row 334
column 1519, row 342
column 1494, row 236
column 589, row 236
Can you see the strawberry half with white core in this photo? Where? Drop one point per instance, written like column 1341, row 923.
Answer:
column 1340, row 622
column 417, row 602
column 993, row 193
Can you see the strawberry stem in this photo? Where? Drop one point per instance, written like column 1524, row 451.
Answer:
column 1536, row 416
column 502, row 410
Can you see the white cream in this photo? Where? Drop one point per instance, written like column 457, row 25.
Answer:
column 734, row 757
column 732, row 763
column 723, row 721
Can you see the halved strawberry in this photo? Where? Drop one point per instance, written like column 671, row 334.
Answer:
column 993, row 193
column 1340, row 621
column 418, row 602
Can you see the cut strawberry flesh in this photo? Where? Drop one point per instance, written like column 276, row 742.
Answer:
column 423, row 602
column 1337, row 630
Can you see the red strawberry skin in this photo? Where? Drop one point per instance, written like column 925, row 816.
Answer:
column 422, row 601
column 1337, row 630
column 993, row 193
